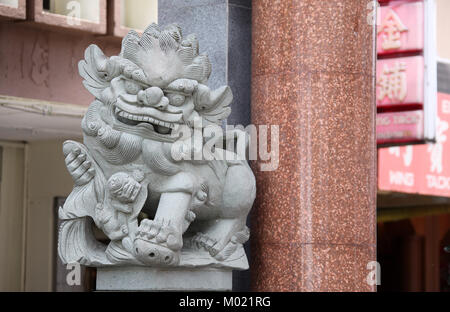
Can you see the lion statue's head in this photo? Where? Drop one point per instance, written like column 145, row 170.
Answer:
column 157, row 83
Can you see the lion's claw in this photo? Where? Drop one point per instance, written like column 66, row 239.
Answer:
column 221, row 250
column 201, row 240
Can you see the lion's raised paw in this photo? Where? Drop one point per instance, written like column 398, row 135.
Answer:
column 78, row 162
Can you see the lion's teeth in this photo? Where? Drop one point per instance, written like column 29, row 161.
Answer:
column 165, row 126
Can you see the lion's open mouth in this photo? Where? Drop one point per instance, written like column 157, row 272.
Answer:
column 159, row 126
column 162, row 122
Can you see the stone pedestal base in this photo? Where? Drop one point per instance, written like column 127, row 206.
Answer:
column 157, row 279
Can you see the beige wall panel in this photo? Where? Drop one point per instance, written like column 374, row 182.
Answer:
column 443, row 28
column 11, row 217
column 138, row 14
column 47, row 179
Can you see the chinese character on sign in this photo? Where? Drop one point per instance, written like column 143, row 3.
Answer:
column 436, row 150
column 392, row 28
column 407, row 155
column 392, row 82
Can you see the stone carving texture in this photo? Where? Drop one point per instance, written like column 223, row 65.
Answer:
column 155, row 209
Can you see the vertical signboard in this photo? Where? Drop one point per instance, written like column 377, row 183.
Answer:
column 406, row 72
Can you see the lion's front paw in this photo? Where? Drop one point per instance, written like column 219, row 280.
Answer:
column 161, row 233
column 221, row 250
column 78, row 163
column 214, row 248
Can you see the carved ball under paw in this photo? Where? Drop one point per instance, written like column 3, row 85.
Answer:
column 153, row 254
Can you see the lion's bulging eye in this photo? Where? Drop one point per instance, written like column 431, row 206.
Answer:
column 132, row 87
column 176, row 99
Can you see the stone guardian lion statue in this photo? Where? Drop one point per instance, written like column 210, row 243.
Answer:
column 195, row 209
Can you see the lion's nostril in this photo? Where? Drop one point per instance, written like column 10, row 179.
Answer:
column 141, row 97
column 137, row 250
column 167, row 258
column 151, row 255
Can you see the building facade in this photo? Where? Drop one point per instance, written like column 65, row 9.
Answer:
column 306, row 66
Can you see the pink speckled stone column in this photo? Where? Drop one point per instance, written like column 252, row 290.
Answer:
column 314, row 220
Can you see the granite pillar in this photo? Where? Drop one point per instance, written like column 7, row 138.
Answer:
column 224, row 31
column 313, row 71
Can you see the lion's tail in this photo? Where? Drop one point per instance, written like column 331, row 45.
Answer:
column 77, row 243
